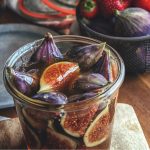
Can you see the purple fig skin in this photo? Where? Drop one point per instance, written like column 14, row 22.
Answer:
column 32, row 65
column 88, row 82
column 132, row 22
column 52, row 97
column 26, row 83
column 81, row 97
column 103, row 67
column 86, row 56
column 48, row 52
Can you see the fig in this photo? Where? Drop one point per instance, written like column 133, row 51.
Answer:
column 86, row 56
column 47, row 53
column 57, row 76
column 88, row 82
column 57, row 140
column 98, row 130
column 132, row 22
column 75, row 123
column 81, row 97
column 26, row 83
column 51, row 97
column 103, row 66
column 32, row 120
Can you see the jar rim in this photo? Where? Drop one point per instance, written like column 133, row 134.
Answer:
column 43, row 105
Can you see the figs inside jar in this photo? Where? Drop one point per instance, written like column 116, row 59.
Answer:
column 98, row 130
column 75, row 123
column 31, row 137
column 57, row 140
column 33, row 120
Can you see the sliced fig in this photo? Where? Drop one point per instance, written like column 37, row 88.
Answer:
column 34, row 121
column 75, row 123
column 32, row 138
column 98, row 130
column 56, row 140
column 57, row 76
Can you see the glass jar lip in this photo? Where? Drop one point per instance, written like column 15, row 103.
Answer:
column 43, row 105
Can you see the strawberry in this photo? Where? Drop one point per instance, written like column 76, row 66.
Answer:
column 109, row 6
column 89, row 8
column 145, row 4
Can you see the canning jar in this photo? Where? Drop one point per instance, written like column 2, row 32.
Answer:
column 84, row 124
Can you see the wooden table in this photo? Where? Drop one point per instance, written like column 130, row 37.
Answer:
column 134, row 91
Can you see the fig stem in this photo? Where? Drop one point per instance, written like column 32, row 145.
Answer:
column 48, row 36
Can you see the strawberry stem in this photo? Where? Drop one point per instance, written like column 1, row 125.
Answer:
column 89, row 5
column 117, row 12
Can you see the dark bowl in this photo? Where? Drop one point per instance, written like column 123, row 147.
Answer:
column 135, row 51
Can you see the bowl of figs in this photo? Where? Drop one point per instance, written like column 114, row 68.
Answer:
column 123, row 24
column 65, row 90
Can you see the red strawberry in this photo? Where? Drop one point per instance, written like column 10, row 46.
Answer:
column 89, row 8
column 145, row 4
column 109, row 6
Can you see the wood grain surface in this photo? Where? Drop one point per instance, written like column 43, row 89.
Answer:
column 134, row 91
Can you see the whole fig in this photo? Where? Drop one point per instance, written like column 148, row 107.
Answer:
column 26, row 83
column 103, row 66
column 86, row 56
column 80, row 97
column 88, row 82
column 47, row 52
column 132, row 22
column 51, row 97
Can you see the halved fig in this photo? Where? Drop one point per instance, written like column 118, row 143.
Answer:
column 35, row 122
column 75, row 123
column 98, row 129
column 57, row 76
column 57, row 140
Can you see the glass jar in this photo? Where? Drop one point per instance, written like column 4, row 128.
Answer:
column 85, row 124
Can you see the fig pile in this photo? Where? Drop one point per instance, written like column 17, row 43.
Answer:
column 58, row 79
